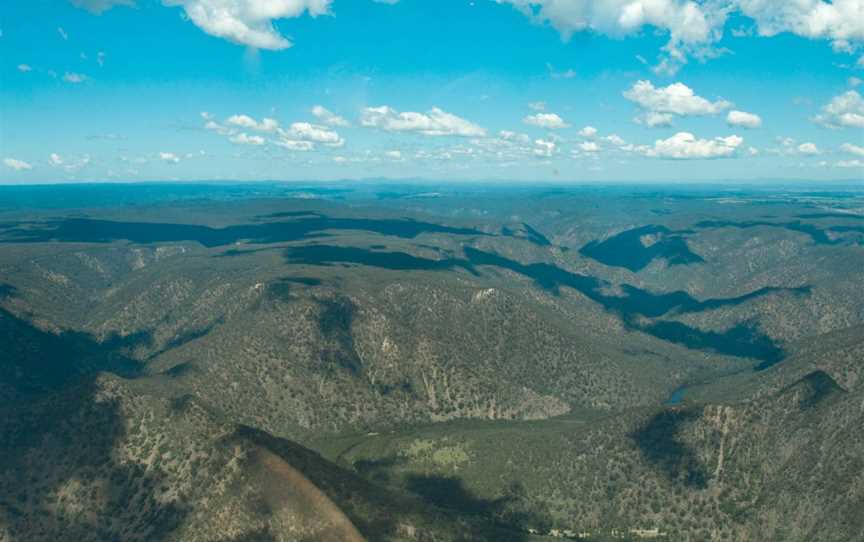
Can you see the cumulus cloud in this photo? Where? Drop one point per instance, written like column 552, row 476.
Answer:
column 510, row 136
column 245, row 139
column 220, row 129
column 694, row 28
column 544, row 148
column 537, row 106
column 299, row 136
column 169, row 157
column 325, row 116
column 248, row 22
column 394, row 155
column 70, row 165
column 435, row 122
column 851, row 164
column 789, row 147
column 685, row 145
column 74, row 78
column 616, row 140
column 654, row 120
column 99, row 6
column 295, row 145
column 691, row 26
column 569, row 73
column 841, row 21
column 17, row 165
column 843, row 111
column 550, row 121
column 743, row 119
column 809, row 149
column 245, row 121
column 588, row 131
column 852, row 149
column 304, row 131
column 661, row 103
column 589, row 146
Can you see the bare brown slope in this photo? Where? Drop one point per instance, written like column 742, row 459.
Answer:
column 299, row 507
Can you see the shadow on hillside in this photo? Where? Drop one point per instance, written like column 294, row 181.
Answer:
column 7, row 291
column 304, row 227
column 334, row 323
column 449, row 492
column 36, row 360
column 508, row 512
column 814, row 389
column 658, row 442
column 58, row 434
column 378, row 511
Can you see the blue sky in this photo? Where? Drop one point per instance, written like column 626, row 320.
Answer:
column 526, row 90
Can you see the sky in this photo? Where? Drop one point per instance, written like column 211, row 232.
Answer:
column 449, row 90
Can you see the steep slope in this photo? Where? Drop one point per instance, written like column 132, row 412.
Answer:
column 91, row 456
column 786, row 467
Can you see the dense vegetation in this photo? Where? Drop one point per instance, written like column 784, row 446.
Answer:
column 480, row 365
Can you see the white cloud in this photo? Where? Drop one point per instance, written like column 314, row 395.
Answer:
column 295, row 145
column 248, row 22
column 433, row 123
column 395, row 155
column 675, row 99
column 808, row 148
column 743, row 119
column 245, row 121
column 245, row 139
column 684, row 145
column 220, row 129
column 74, row 78
column 100, row 59
column 843, row 111
column 841, row 21
column 99, row 6
column 550, row 121
column 62, row 33
column 544, row 148
column 569, row 73
column 693, row 27
column 588, row 131
column 17, row 165
column 654, row 120
column 851, row 164
column 169, row 157
column 70, row 165
column 790, row 147
column 854, row 82
column 616, row 140
column 304, row 131
column 537, row 106
column 299, row 136
column 24, row 68
column 852, row 149
column 589, row 146
column 328, row 117
column 509, row 136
